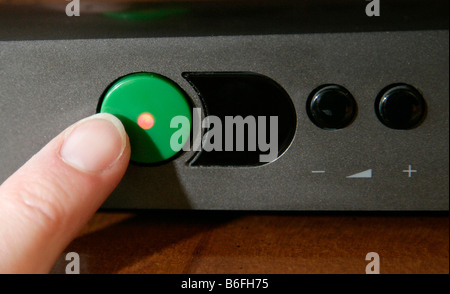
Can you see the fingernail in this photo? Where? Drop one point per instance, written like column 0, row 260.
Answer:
column 94, row 143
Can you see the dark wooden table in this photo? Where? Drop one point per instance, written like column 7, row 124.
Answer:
column 260, row 243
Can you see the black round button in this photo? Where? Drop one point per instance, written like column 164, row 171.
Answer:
column 400, row 106
column 331, row 107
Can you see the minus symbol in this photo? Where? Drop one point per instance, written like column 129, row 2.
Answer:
column 318, row 171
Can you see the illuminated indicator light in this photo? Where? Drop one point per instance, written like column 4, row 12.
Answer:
column 146, row 121
column 147, row 14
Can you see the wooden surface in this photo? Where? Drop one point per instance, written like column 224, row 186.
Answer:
column 260, row 243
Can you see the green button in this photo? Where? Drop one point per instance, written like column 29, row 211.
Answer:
column 146, row 103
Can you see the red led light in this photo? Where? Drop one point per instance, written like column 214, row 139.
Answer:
column 146, row 121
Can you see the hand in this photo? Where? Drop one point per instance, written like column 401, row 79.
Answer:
column 47, row 201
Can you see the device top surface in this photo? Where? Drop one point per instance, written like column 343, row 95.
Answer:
column 49, row 21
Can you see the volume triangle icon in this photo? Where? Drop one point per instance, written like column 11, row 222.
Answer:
column 365, row 174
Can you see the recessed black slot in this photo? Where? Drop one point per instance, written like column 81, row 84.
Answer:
column 250, row 96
